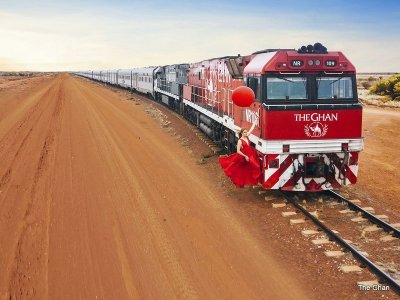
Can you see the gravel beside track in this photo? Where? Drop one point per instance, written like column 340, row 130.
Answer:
column 320, row 213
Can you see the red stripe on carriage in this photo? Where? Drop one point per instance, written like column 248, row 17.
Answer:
column 355, row 156
column 334, row 182
column 293, row 180
column 336, row 163
column 347, row 171
column 350, row 176
column 274, row 178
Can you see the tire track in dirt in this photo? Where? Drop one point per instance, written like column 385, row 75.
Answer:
column 179, row 279
column 12, row 143
column 26, row 278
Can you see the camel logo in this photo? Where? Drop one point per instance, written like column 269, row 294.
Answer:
column 315, row 129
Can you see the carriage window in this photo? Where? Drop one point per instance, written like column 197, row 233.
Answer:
column 335, row 88
column 286, row 88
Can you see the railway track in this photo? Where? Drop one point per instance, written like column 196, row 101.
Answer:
column 371, row 217
column 348, row 246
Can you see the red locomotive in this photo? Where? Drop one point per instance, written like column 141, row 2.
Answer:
column 309, row 130
column 309, row 118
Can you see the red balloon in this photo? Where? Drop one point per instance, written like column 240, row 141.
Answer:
column 243, row 96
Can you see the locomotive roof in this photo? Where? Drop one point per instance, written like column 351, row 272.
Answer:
column 293, row 61
column 272, row 50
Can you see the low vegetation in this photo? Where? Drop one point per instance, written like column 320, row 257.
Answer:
column 389, row 87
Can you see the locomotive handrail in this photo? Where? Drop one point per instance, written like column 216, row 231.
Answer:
column 200, row 87
column 290, row 73
column 333, row 73
column 312, row 105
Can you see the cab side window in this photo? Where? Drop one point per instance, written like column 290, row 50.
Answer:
column 254, row 84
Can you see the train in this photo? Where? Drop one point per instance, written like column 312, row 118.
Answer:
column 308, row 132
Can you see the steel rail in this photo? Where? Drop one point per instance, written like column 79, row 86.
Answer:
column 371, row 217
column 382, row 275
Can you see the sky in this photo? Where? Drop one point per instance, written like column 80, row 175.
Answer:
column 52, row 35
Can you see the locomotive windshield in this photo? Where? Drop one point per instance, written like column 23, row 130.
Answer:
column 308, row 88
column 334, row 88
column 286, row 88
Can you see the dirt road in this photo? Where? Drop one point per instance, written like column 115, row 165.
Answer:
column 379, row 172
column 98, row 202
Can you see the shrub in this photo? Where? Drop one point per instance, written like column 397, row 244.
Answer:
column 370, row 78
column 396, row 89
column 379, row 88
column 387, row 87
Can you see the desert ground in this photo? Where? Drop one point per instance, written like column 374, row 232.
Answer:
column 108, row 195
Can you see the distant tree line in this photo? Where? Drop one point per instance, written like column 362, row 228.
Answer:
column 16, row 73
